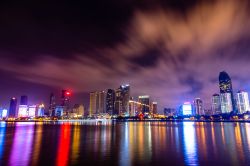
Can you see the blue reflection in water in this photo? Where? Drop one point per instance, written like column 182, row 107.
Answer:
column 190, row 147
column 2, row 135
column 22, row 144
column 124, row 154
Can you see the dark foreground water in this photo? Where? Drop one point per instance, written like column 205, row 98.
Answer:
column 131, row 143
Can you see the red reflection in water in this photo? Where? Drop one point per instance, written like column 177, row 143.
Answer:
column 63, row 147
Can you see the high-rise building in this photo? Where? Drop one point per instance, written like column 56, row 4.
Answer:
column 65, row 101
column 32, row 109
column 97, row 103
column 144, row 104
column 13, row 108
column 154, row 108
column 216, row 107
column 226, row 103
column 23, row 111
column 92, row 103
column 24, row 100
column 242, row 101
column 40, row 110
column 125, row 92
column 118, row 102
column 101, row 102
column 133, row 107
column 225, row 84
column 110, row 101
column 78, row 110
column 52, row 104
column 187, row 109
column 198, row 106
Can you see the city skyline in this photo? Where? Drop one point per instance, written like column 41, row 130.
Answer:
column 174, row 58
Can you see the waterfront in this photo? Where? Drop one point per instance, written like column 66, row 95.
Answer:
column 124, row 143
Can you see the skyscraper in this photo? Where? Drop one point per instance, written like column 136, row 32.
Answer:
column 242, row 101
column 198, row 106
column 216, row 107
column 52, row 105
column 13, row 108
column 24, row 100
column 154, row 107
column 65, row 101
column 125, row 92
column 144, row 104
column 101, row 102
column 118, row 102
column 110, row 101
column 92, row 103
column 225, row 84
column 226, row 103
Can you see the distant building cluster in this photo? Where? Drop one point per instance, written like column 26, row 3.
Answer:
column 226, row 102
column 119, row 102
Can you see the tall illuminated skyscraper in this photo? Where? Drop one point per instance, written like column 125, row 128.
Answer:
column 198, row 106
column 125, row 89
column 110, row 101
column 154, row 107
column 216, row 107
column 118, row 102
column 92, row 103
column 226, row 88
column 13, row 108
column 242, row 101
column 144, row 104
column 65, row 101
column 101, row 102
column 52, row 104
column 226, row 103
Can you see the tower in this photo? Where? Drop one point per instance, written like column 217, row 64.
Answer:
column 242, row 101
column 13, row 108
column 144, row 104
column 198, row 106
column 216, row 107
column 52, row 104
column 110, row 101
column 226, row 90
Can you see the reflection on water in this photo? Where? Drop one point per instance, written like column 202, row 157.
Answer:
column 125, row 143
column 190, row 151
column 22, row 144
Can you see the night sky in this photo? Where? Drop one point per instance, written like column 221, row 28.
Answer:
column 170, row 50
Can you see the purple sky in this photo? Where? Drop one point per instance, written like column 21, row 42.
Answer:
column 170, row 50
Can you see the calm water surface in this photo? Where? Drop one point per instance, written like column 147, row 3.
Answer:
column 130, row 143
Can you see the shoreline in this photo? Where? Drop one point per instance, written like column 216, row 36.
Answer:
column 115, row 120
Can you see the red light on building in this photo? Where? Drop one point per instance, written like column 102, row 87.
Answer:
column 67, row 93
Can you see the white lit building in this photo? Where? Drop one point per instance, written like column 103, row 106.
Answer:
column 242, row 102
column 226, row 103
column 198, row 106
column 23, row 111
column 216, row 108
column 32, row 111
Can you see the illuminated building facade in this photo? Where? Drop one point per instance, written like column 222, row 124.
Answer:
column 65, row 101
column 226, row 103
column 170, row 111
column 97, row 103
column 23, row 111
column 40, row 110
column 133, row 106
column 187, row 109
column 52, row 104
column 154, row 108
column 125, row 89
column 122, row 97
column 13, row 108
column 226, row 88
column 32, row 111
column 59, row 111
column 198, row 106
column 118, row 102
column 78, row 110
column 110, row 101
column 242, row 102
column 4, row 113
column 144, row 106
column 216, row 107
